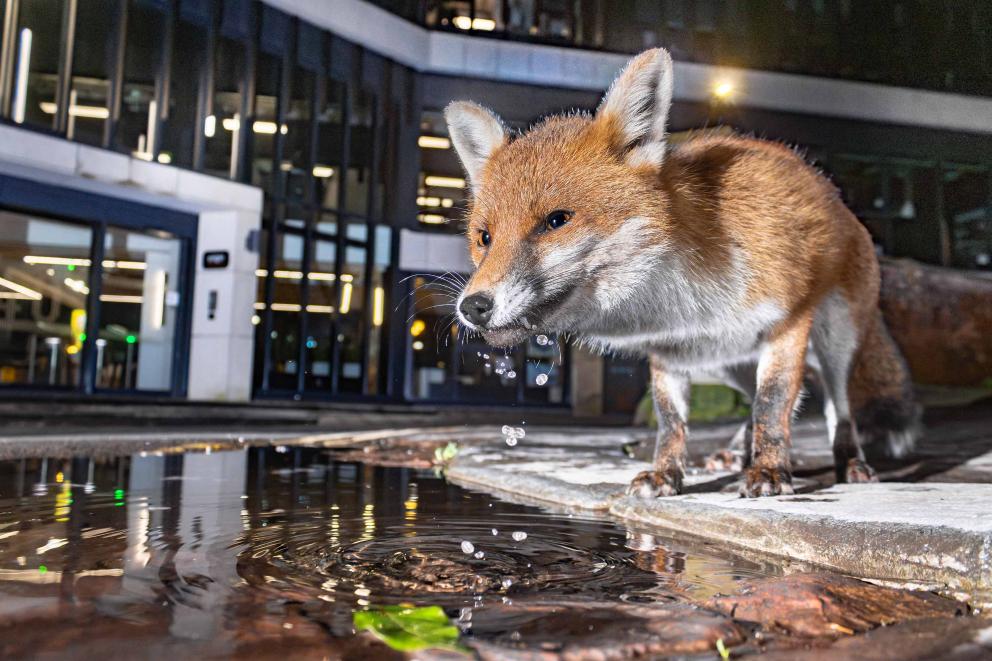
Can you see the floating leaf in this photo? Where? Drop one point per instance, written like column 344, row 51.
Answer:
column 408, row 629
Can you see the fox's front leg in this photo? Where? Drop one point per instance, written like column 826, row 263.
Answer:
column 670, row 391
column 780, row 378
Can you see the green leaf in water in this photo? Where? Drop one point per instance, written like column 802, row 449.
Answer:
column 722, row 649
column 446, row 454
column 408, row 629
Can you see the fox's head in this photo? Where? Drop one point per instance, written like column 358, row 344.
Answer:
column 566, row 218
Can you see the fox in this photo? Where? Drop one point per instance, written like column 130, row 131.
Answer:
column 723, row 255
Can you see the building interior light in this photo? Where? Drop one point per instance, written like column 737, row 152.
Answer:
column 81, row 261
column 418, row 345
column 77, row 286
column 434, row 142
column 432, row 219
column 444, row 182
column 417, row 327
column 20, row 289
column 428, row 201
column 321, row 309
column 287, row 307
column 323, row 171
column 23, row 72
column 378, row 304
column 255, row 320
column 723, row 90
column 468, row 23
column 210, row 126
column 165, row 158
column 346, row 291
column 87, row 112
column 14, row 296
column 120, row 298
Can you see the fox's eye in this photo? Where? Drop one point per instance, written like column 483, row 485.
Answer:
column 557, row 219
column 484, row 238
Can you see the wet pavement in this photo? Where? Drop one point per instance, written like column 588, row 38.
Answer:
column 354, row 547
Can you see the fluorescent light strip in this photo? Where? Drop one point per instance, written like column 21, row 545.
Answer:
column 80, row 261
column 298, row 275
column 378, row 301
column 88, row 112
column 120, row 298
column 346, row 291
column 23, row 71
column 469, row 23
column 10, row 295
column 433, row 142
column 432, row 219
column 21, row 289
column 444, row 182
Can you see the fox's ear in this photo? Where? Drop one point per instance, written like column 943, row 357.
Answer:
column 476, row 132
column 636, row 107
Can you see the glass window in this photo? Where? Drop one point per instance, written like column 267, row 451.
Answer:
column 351, row 309
column 362, row 142
column 179, row 131
column 92, row 64
column 142, row 61
column 379, row 315
column 296, row 153
column 223, row 126
column 330, row 144
column 265, row 124
column 321, row 307
column 36, row 63
column 44, row 286
column 139, row 300
column 442, row 196
column 432, row 338
column 966, row 207
column 284, row 339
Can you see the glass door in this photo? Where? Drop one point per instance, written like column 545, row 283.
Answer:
column 139, row 302
column 44, row 292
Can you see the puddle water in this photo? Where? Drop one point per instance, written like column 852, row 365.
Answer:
column 261, row 552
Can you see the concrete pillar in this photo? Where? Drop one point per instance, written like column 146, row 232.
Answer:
column 222, row 339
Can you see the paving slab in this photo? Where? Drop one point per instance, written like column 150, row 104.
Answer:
column 931, row 535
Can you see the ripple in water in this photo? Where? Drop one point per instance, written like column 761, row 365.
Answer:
column 443, row 551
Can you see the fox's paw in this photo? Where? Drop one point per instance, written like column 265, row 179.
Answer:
column 725, row 460
column 859, row 472
column 654, row 484
column 760, row 481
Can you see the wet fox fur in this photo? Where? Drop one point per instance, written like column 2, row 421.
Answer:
column 728, row 256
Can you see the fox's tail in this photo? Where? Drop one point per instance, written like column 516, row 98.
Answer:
column 880, row 390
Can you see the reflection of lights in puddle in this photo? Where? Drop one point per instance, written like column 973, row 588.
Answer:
column 52, row 543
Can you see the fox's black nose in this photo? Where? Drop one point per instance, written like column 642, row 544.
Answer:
column 477, row 308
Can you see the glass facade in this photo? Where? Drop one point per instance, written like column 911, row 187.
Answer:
column 913, row 43
column 348, row 150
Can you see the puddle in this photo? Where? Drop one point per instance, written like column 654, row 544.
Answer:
column 271, row 551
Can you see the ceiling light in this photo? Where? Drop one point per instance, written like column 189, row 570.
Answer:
column 444, row 182
column 433, row 142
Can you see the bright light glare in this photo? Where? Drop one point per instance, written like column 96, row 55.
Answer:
column 723, row 89
column 434, row 142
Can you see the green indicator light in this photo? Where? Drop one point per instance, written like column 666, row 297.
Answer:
column 118, row 504
column 130, row 339
column 70, row 267
column 119, row 494
column 82, row 337
column 42, row 569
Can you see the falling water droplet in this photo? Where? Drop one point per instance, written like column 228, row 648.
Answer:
column 519, row 535
column 542, row 340
column 467, row 547
column 511, row 374
column 541, row 379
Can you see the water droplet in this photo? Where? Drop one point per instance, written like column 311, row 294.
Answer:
column 511, row 441
column 495, row 532
column 542, row 340
column 541, row 379
column 507, row 429
column 506, row 582
column 519, row 535
column 468, row 547
column 511, row 374
column 479, row 555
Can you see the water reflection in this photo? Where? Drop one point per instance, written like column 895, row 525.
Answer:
column 233, row 552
